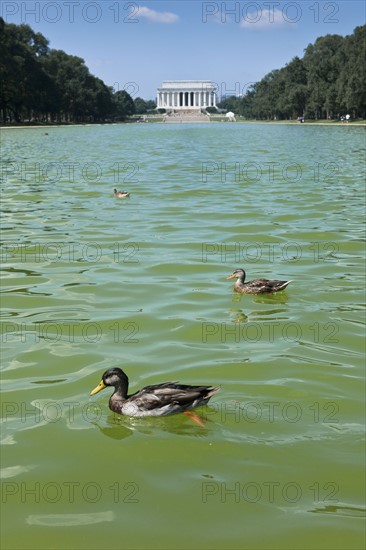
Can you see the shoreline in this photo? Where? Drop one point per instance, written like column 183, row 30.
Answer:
column 289, row 122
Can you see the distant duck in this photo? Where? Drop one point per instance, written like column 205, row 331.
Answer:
column 257, row 286
column 121, row 194
column 155, row 400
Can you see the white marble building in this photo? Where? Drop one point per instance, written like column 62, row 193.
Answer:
column 186, row 95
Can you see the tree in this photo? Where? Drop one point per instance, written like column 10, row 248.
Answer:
column 140, row 106
column 328, row 80
column 21, row 73
column 322, row 64
column 41, row 84
column 124, row 105
column 230, row 103
column 150, row 105
column 351, row 83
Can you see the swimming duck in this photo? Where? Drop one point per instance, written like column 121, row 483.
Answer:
column 121, row 194
column 156, row 400
column 258, row 286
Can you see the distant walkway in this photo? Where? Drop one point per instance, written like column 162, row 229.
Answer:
column 186, row 116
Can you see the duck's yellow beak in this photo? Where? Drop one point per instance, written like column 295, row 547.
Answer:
column 232, row 276
column 99, row 387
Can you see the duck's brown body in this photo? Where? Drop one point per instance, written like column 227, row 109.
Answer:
column 257, row 286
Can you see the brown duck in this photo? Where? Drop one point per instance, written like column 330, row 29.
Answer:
column 257, row 286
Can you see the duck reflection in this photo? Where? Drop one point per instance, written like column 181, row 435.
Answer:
column 197, row 424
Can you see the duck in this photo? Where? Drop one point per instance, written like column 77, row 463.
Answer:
column 156, row 400
column 257, row 286
column 121, row 194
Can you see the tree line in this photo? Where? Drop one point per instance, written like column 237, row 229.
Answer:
column 326, row 83
column 40, row 84
column 47, row 85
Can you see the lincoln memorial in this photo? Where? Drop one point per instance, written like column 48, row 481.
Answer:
column 186, row 94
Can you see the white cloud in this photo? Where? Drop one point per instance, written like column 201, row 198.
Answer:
column 264, row 19
column 157, row 16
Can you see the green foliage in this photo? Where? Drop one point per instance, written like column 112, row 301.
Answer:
column 44, row 85
column 124, row 105
column 142, row 106
column 150, row 105
column 327, row 82
column 230, row 103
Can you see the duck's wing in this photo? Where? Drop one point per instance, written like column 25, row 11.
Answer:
column 278, row 285
column 268, row 284
column 170, row 393
column 258, row 283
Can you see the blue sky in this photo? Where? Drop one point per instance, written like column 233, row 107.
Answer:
column 136, row 45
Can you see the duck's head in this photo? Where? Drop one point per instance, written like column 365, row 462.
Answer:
column 237, row 274
column 112, row 377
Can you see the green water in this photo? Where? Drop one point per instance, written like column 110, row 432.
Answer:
column 91, row 282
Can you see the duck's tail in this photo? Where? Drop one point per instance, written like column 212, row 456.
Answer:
column 283, row 285
column 212, row 391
